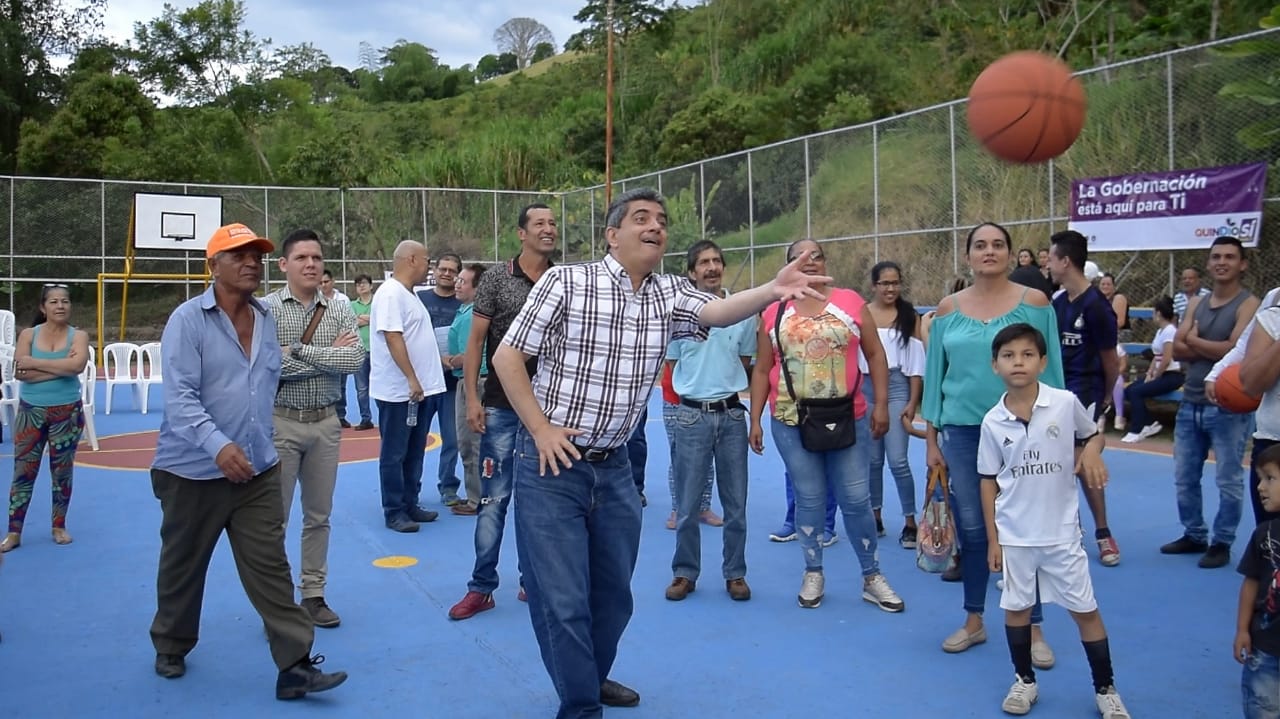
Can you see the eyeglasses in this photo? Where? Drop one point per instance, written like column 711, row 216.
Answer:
column 56, row 285
column 815, row 256
column 889, row 283
column 446, row 271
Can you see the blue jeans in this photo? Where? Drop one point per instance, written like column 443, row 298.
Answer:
column 444, row 408
column 668, row 423
column 812, row 473
column 790, row 520
column 496, row 466
column 702, row 437
column 893, row 446
column 959, row 444
column 1136, row 394
column 578, row 535
column 362, row 392
column 400, row 456
column 1260, row 685
column 638, row 452
column 1197, row 428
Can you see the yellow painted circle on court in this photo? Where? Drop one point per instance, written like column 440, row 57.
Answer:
column 395, row 562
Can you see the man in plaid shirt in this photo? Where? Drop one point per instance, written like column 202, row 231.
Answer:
column 307, row 431
column 600, row 331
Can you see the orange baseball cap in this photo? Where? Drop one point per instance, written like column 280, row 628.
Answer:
column 235, row 236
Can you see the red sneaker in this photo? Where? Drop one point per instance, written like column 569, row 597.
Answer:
column 470, row 605
column 522, row 596
column 1108, row 552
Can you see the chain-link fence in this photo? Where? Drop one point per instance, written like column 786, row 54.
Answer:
column 905, row 188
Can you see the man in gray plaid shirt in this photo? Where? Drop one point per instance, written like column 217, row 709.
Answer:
column 307, row 432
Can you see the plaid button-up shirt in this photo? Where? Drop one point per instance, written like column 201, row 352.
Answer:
column 601, row 345
column 313, row 379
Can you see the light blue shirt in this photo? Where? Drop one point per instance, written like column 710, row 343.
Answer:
column 460, row 333
column 712, row 369
column 213, row 394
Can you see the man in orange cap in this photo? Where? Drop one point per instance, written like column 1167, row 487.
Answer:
column 216, row 468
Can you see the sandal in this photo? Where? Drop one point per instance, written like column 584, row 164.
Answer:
column 60, row 536
column 12, row 541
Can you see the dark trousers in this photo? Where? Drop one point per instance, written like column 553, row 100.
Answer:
column 195, row 514
column 638, row 451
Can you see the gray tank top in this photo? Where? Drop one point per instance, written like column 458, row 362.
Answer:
column 1214, row 324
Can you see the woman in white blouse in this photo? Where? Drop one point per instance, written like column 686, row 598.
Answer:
column 897, row 324
column 1260, row 375
column 1164, row 374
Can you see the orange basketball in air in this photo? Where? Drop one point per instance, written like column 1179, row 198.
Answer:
column 1026, row 107
column 1230, row 393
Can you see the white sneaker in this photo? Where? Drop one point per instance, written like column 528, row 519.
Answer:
column 829, row 538
column 1131, row 438
column 876, row 589
column 1121, row 424
column 1151, row 430
column 1021, row 696
column 811, row 589
column 1110, row 706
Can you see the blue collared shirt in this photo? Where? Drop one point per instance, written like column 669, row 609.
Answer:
column 712, row 370
column 213, row 394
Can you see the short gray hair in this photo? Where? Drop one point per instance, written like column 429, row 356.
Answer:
column 618, row 208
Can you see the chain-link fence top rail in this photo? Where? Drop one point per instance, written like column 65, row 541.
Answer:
column 906, row 188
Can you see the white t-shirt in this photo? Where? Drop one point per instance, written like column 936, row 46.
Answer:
column 909, row 359
column 396, row 309
column 1034, row 464
column 1162, row 342
column 1267, row 415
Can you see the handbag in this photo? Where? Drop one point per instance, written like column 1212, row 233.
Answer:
column 825, row 424
column 936, row 549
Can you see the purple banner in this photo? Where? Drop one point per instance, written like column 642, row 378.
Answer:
column 1182, row 209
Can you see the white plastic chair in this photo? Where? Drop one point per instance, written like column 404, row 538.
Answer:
column 8, row 328
column 149, row 370
column 8, row 387
column 120, row 360
column 88, row 390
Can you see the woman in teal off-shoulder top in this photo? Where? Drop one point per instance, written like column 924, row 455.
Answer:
column 960, row 387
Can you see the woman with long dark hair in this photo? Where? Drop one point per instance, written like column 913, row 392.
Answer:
column 960, row 388
column 47, row 362
column 896, row 323
column 1164, row 374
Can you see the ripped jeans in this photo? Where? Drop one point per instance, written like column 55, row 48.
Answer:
column 497, row 446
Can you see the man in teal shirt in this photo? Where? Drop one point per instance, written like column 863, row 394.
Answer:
column 468, row 439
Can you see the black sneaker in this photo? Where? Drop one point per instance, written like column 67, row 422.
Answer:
column 321, row 614
column 1184, row 545
column 344, row 424
column 879, row 527
column 401, row 523
column 418, row 514
column 303, row 678
column 171, row 666
column 1217, row 555
column 908, row 538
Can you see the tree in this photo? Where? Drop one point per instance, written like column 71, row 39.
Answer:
column 102, row 113
column 30, row 32
column 543, row 51
column 201, row 55
column 491, row 66
column 629, row 17
column 521, row 36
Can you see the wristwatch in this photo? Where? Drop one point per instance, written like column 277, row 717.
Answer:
column 294, row 349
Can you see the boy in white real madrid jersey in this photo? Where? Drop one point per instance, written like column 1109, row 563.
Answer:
column 1033, row 444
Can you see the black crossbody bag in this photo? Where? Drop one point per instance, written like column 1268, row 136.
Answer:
column 825, row 424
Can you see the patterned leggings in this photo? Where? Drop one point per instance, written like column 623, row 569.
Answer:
column 58, row 426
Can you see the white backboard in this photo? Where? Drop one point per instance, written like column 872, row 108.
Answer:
column 175, row 222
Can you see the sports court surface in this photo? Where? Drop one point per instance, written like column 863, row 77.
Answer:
column 74, row 619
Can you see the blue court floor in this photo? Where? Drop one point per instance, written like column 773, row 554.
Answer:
column 75, row 644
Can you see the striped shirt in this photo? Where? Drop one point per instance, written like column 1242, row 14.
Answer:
column 1181, row 299
column 312, row 379
column 601, row 345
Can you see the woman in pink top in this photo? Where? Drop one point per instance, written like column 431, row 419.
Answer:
column 819, row 341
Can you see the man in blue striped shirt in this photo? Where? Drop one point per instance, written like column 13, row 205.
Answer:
column 216, row 468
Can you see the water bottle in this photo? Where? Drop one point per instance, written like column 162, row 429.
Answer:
column 412, row 419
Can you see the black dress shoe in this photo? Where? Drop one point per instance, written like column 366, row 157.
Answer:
column 418, row 514
column 344, row 424
column 613, row 694
column 303, row 678
column 171, row 666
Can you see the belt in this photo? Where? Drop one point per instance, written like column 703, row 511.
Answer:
column 306, row 416
column 720, row 405
column 595, row 454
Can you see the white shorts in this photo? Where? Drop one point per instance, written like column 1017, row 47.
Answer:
column 1063, row 573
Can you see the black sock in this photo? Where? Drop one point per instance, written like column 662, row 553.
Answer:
column 1099, row 654
column 1020, row 651
column 1101, row 533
